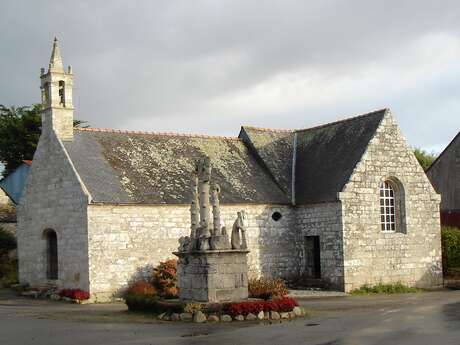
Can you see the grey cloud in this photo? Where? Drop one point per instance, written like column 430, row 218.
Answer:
column 163, row 65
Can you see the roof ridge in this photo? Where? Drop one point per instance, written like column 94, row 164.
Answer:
column 270, row 129
column 169, row 134
column 343, row 120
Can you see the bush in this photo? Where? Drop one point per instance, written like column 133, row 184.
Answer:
column 450, row 249
column 8, row 271
column 141, row 288
column 152, row 304
column 193, row 307
column 74, row 294
column 165, row 279
column 284, row 304
column 8, row 266
column 267, row 288
column 7, row 241
column 384, row 289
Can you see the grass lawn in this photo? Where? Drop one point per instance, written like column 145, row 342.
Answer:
column 386, row 289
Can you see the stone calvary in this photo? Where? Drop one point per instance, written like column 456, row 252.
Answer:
column 211, row 268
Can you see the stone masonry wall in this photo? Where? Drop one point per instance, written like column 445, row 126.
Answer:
column 125, row 240
column 53, row 199
column 413, row 254
column 325, row 221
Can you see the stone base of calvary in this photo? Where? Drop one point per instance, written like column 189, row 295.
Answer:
column 211, row 268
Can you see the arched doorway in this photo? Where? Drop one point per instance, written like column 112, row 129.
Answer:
column 51, row 254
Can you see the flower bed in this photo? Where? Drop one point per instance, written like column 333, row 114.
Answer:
column 75, row 294
column 285, row 304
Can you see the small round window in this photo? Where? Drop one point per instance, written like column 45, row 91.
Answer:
column 276, row 216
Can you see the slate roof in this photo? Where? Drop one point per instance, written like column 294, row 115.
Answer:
column 155, row 168
column 274, row 149
column 130, row 167
column 327, row 156
column 446, row 150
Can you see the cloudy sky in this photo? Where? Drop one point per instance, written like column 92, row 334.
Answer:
column 208, row 66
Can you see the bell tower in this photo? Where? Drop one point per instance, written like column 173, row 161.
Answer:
column 56, row 88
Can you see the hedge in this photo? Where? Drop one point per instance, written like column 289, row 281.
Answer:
column 450, row 248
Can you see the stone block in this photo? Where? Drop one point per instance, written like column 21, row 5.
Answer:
column 225, row 318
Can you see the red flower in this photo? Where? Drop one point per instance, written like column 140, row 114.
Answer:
column 74, row 294
column 284, row 304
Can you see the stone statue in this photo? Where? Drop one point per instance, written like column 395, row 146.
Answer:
column 211, row 268
column 239, row 241
column 215, row 210
column 204, row 235
column 194, row 207
column 184, row 244
column 204, row 178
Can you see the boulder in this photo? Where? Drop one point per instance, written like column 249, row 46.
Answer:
column 261, row 315
column 175, row 317
column 239, row 318
column 226, row 318
column 292, row 315
column 251, row 317
column 213, row 318
column 274, row 315
column 186, row 317
column 284, row 315
column 55, row 297
column 199, row 317
column 297, row 311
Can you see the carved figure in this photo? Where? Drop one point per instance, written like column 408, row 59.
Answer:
column 204, row 177
column 215, row 210
column 239, row 240
column 184, row 244
column 194, row 208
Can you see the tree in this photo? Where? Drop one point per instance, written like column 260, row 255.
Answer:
column 424, row 158
column 20, row 129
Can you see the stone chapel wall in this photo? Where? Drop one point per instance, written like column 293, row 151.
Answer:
column 124, row 240
column 53, row 199
column 411, row 256
column 323, row 220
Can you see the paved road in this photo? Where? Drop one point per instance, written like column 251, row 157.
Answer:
column 428, row 318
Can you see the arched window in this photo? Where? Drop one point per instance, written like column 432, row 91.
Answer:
column 51, row 254
column 392, row 206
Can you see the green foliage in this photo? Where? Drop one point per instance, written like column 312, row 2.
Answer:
column 450, row 249
column 424, row 158
column 267, row 288
column 387, row 289
column 152, row 304
column 20, row 129
column 8, row 266
column 7, row 241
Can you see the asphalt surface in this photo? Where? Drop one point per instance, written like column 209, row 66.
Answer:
column 426, row 318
